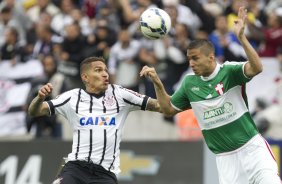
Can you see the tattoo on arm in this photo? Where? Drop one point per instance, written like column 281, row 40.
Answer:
column 38, row 108
column 153, row 105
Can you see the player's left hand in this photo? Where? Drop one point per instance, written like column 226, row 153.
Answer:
column 240, row 23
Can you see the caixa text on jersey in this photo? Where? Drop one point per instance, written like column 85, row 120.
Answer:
column 102, row 121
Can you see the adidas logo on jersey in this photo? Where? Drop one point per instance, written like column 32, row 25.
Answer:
column 102, row 121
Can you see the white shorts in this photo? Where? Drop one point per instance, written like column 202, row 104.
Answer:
column 253, row 163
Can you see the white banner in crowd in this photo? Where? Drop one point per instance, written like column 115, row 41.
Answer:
column 264, row 85
column 13, row 94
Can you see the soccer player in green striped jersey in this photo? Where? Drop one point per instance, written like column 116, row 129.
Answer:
column 216, row 93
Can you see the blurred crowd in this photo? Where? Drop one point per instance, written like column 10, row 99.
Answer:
column 61, row 33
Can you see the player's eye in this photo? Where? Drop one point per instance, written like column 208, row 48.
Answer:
column 97, row 69
column 194, row 58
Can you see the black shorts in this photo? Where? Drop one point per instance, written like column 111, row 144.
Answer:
column 82, row 172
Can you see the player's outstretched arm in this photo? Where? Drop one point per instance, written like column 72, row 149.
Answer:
column 162, row 96
column 253, row 66
column 37, row 107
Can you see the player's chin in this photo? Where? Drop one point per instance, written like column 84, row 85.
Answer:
column 196, row 72
column 105, row 85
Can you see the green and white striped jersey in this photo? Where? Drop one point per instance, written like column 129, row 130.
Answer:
column 220, row 106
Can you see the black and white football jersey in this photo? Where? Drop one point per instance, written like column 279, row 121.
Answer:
column 97, row 122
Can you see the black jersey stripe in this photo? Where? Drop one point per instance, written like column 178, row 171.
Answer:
column 105, row 145
column 90, row 145
column 52, row 106
column 78, row 99
column 114, row 155
column 78, row 142
column 126, row 101
column 63, row 103
column 91, row 103
column 144, row 103
column 115, row 98
column 104, row 107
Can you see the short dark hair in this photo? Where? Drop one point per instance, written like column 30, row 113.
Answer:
column 205, row 46
column 85, row 63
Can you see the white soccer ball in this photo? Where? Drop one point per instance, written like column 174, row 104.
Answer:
column 155, row 23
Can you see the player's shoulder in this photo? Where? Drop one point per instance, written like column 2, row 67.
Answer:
column 74, row 91
column 122, row 91
column 70, row 93
column 232, row 65
column 227, row 64
column 190, row 77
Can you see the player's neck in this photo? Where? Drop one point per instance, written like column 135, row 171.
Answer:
column 211, row 70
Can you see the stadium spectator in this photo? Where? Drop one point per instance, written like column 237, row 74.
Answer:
column 95, row 154
column 83, row 21
column 182, row 12
column 8, row 20
column 130, row 12
column 231, row 15
column 271, row 35
column 18, row 12
column 123, row 66
column 214, row 92
column 42, row 6
column 11, row 50
column 63, row 18
column 101, row 40
column 47, row 127
column 207, row 20
column 44, row 43
column 72, row 52
column 227, row 46
column 108, row 13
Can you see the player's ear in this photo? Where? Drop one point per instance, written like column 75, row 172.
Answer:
column 84, row 78
column 212, row 57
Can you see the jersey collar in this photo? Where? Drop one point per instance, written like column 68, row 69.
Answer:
column 214, row 73
column 96, row 95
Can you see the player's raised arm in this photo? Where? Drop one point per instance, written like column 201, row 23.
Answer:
column 253, row 66
column 37, row 107
column 162, row 96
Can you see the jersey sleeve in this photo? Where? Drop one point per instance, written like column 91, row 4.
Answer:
column 238, row 73
column 179, row 100
column 60, row 104
column 135, row 100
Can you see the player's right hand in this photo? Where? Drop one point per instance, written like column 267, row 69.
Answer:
column 45, row 91
column 149, row 72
